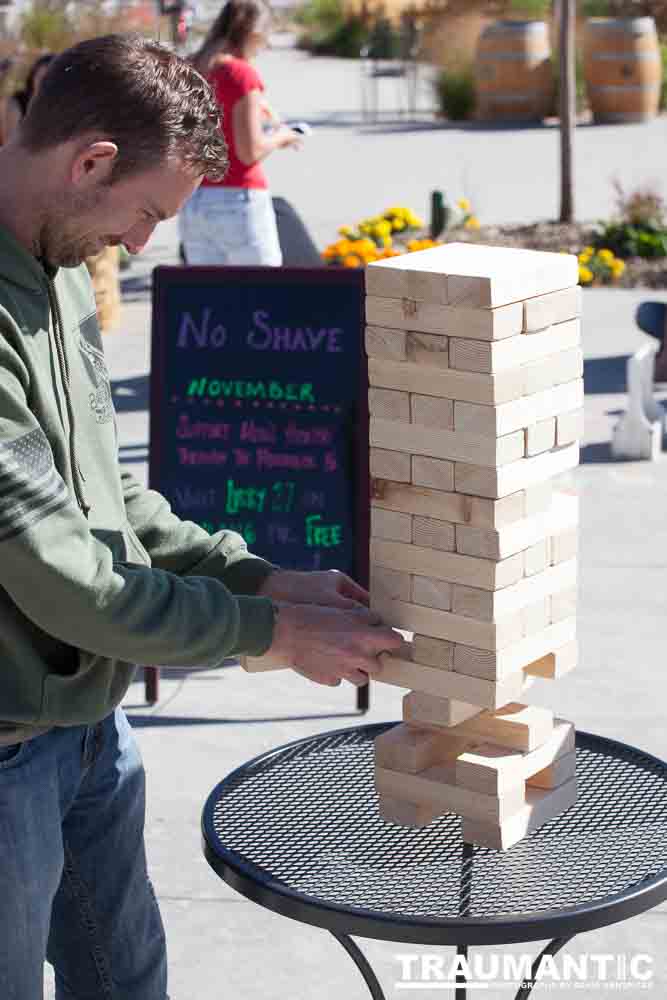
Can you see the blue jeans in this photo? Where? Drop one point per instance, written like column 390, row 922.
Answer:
column 230, row 226
column 73, row 881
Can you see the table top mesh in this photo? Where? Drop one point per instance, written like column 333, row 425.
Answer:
column 305, row 817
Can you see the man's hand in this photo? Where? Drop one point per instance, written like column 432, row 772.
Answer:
column 328, row 587
column 328, row 645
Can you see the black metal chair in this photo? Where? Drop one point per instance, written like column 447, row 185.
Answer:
column 392, row 55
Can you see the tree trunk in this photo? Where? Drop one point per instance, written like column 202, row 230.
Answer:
column 568, row 107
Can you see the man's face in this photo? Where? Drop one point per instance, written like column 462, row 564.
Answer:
column 86, row 221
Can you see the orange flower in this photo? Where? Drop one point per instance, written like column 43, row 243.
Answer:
column 351, row 260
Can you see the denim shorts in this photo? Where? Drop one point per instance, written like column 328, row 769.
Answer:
column 230, row 226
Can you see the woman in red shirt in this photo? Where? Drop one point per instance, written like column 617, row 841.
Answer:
column 233, row 221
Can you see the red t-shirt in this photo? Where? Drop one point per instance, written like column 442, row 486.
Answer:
column 231, row 80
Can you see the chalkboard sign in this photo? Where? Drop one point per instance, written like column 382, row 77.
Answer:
column 258, row 414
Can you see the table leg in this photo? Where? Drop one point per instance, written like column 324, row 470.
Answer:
column 362, row 964
column 465, row 892
column 461, row 991
column 551, row 949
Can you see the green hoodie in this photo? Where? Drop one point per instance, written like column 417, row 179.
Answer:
column 96, row 573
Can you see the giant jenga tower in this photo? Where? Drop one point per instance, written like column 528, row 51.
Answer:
column 476, row 396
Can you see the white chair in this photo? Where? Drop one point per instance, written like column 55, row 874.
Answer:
column 638, row 434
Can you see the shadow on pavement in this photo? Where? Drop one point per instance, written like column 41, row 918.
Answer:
column 605, row 375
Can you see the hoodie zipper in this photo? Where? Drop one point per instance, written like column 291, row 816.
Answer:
column 77, row 477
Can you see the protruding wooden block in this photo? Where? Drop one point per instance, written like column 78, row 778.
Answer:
column 433, row 534
column 450, row 566
column 525, row 654
column 405, row 813
column 430, row 411
column 541, row 437
column 500, row 482
column 390, row 585
column 444, row 683
column 556, row 307
column 437, row 443
column 389, row 404
column 569, row 427
column 423, row 709
column 428, row 317
column 403, row 748
column 514, row 726
column 553, row 666
column 391, row 525
column 392, row 465
column 434, row 473
column 563, row 546
column 429, row 381
column 258, row 664
column 386, row 344
column 493, row 769
column 540, row 807
column 563, row 604
column 561, row 770
column 485, row 277
column 428, row 349
column 431, row 593
column 504, row 418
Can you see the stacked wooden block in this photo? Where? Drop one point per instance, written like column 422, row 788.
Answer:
column 476, row 396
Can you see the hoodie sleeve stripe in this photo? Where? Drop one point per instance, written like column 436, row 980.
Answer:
column 30, row 487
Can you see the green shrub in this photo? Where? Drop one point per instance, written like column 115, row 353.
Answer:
column 455, row 89
column 595, row 8
column 639, row 228
column 537, row 9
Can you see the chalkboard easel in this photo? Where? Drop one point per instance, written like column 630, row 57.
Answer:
column 259, row 412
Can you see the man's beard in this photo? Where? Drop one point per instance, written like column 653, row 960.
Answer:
column 65, row 238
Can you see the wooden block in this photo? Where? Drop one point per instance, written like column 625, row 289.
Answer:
column 444, row 625
column 430, row 411
column 514, row 726
column 386, row 344
column 430, row 381
column 536, row 617
column 443, row 683
column 561, row 770
column 389, row 404
column 565, row 366
column 485, row 356
column 423, row 709
column 431, row 593
column 405, row 313
column 436, row 443
column 390, row 524
column 556, row 307
column 436, row 788
column 428, row 349
column 553, row 666
column 484, row 513
column 388, row 584
column 559, row 337
column 536, row 558
column 540, row 807
column 258, row 664
column 414, row 276
column 499, row 544
column 403, row 748
column 541, row 437
column 538, row 499
column 563, row 546
column 495, row 665
column 494, row 421
column 433, row 652
column 492, row 769
column 432, row 472
column 563, row 604
column 494, row 606
column 450, row 566
column 418, row 499
column 500, row 482
column 569, row 427
column 485, row 277
column 432, row 534
column 405, row 813
column 392, row 465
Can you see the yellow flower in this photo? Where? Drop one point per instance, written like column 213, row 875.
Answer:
column 382, row 229
column 606, row 256
column 343, row 247
column 352, row 260
column 618, row 268
column 398, row 224
column 589, row 250
column 584, row 258
column 473, row 222
column 585, row 275
column 346, row 230
column 463, row 204
column 386, row 242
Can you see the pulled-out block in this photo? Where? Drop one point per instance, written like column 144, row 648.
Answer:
column 493, row 770
column 403, row 748
column 422, row 709
column 443, row 683
column 540, row 807
column 495, row 665
column 258, row 664
column 405, row 813
column 555, row 665
column 559, row 771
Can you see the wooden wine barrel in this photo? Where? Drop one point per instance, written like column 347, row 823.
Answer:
column 513, row 72
column 623, row 68
column 103, row 269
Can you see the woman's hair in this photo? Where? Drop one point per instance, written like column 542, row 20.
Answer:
column 231, row 29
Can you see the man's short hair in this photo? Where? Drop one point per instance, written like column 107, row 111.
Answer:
column 136, row 93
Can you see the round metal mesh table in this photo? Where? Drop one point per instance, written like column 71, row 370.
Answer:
column 298, row 830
